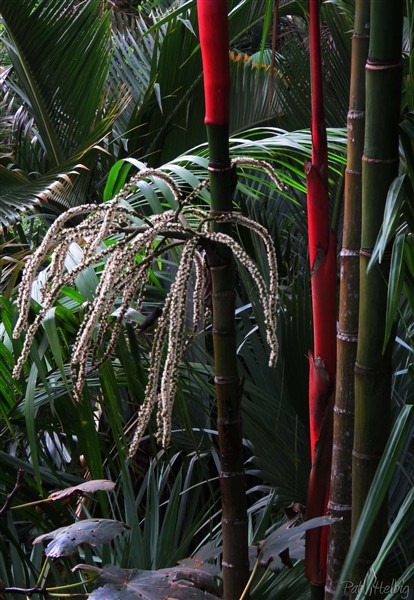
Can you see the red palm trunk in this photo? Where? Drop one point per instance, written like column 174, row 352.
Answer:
column 322, row 254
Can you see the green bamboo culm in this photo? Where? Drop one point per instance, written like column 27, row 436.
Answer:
column 341, row 471
column 379, row 168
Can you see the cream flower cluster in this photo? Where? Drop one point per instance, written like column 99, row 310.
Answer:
column 125, row 266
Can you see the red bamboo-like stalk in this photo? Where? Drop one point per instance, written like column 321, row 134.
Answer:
column 322, row 254
column 214, row 42
column 213, row 29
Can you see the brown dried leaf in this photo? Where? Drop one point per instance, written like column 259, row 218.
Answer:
column 89, row 487
column 295, row 510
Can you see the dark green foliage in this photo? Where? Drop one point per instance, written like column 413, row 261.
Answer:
column 169, row 500
column 62, row 106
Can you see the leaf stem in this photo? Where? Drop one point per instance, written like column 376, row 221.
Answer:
column 262, row 578
column 253, row 573
column 41, row 501
column 42, row 572
column 71, row 585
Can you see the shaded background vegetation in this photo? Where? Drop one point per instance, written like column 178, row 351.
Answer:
column 91, row 84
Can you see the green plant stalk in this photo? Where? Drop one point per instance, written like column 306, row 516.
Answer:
column 228, row 388
column 213, row 28
column 379, row 168
column 378, row 491
column 340, row 498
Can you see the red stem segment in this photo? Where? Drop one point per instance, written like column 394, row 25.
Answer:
column 322, row 241
column 322, row 254
column 214, row 41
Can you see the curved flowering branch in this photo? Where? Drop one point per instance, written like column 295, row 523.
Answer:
column 126, row 265
column 267, row 301
column 260, row 164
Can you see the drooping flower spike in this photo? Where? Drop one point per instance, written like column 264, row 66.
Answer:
column 126, row 265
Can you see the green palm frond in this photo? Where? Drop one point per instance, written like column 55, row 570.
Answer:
column 20, row 192
column 134, row 64
column 346, row 7
column 172, row 119
column 254, row 92
column 292, row 61
column 60, row 58
column 169, row 115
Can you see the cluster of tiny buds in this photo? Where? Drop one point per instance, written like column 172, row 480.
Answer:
column 122, row 282
column 265, row 166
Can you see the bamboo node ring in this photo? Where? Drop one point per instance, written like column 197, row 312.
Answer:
column 339, row 507
column 228, row 474
column 221, row 331
column 230, row 379
column 366, row 252
column 368, row 371
column 229, row 212
column 347, row 337
column 345, row 252
column 233, row 521
column 219, row 167
column 367, row 457
column 356, row 114
column 343, row 411
column 227, row 565
column 373, row 66
column 226, row 294
column 379, row 161
column 228, row 421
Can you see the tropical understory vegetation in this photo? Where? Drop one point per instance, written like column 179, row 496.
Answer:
column 112, row 244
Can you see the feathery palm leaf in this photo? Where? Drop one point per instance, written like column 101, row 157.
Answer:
column 60, row 57
column 292, row 59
